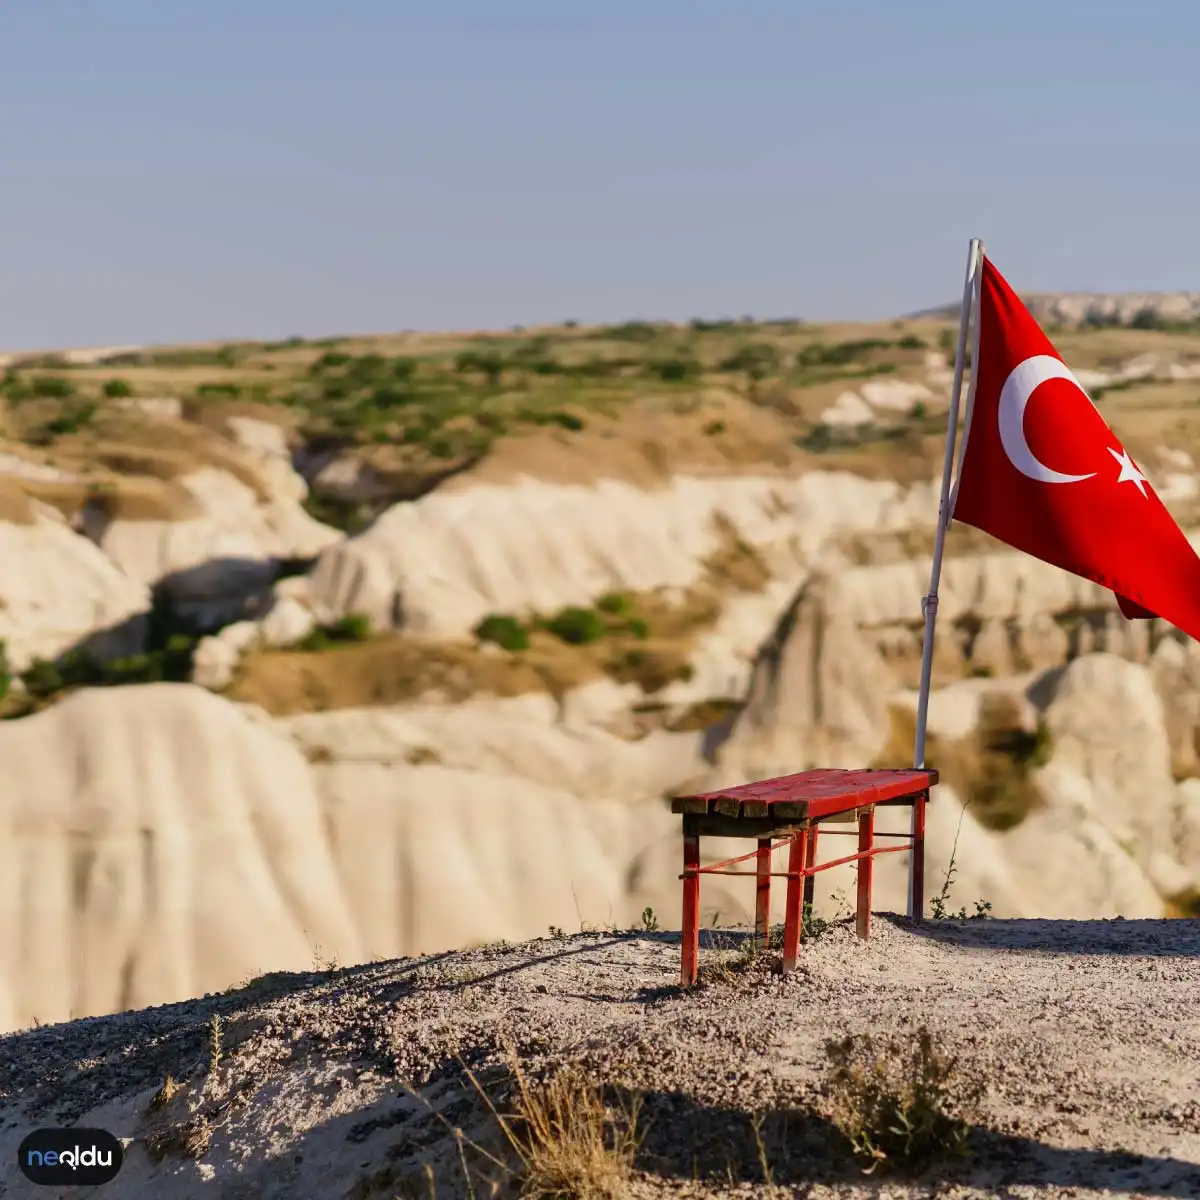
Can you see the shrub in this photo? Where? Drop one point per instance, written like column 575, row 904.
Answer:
column 895, row 1101
column 840, row 354
column 6, row 677
column 385, row 398
column 676, row 370
column 618, row 604
column 576, row 626
column 219, row 389
column 756, row 360
column 630, row 331
column 117, row 389
column 354, row 627
column 506, row 632
column 52, row 387
column 490, row 366
column 910, row 341
column 329, row 361
column 42, row 678
column 70, row 422
column 366, row 370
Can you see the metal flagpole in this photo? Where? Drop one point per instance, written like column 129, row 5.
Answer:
column 971, row 289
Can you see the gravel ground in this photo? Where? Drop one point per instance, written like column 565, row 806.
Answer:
column 1085, row 1034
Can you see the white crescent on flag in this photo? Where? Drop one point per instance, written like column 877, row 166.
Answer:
column 1020, row 385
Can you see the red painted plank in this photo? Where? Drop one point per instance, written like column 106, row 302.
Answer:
column 827, row 790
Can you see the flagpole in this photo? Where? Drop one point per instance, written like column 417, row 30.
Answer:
column 929, row 604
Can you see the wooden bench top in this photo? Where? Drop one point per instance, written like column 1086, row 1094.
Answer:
column 810, row 795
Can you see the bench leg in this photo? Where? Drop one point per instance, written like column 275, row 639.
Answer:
column 810, row 861
column 762, row 895
column 793, row 921
column 918, row 857
column 866, row 842
column 690, row 958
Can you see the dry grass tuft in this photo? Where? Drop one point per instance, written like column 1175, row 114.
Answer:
column 566, row 1140
column 166, row 1093
column 899, row 1102
column 189, row 1139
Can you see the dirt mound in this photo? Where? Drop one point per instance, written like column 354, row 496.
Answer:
column 356, row 1083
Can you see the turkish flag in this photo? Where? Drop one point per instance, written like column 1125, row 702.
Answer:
column 1044, row 473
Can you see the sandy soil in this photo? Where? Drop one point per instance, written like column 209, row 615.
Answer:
column 1085, row 1032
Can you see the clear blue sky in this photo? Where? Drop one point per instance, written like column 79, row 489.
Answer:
column 192, row 169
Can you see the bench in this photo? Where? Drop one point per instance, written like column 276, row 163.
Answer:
column 791, row 809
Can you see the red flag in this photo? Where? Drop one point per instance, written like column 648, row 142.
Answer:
column 1044, row 473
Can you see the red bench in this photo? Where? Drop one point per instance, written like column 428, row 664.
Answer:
column 790, row 809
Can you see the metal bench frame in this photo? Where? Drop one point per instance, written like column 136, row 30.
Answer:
column 790, row 809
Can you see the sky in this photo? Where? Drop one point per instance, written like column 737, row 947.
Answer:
column 186, row 170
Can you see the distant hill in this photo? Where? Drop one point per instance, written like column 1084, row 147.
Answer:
column 1141, row 310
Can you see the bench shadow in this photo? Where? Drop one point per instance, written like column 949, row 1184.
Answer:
column 1149, row 938
column 798, row 1148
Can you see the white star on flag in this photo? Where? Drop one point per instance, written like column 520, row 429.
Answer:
column 1129, row 473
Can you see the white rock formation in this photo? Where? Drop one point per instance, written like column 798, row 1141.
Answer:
column 848, row 410
column 216, row 658
column 439, row 564
column 501, row 740
column 155, row 845
column 214, row 562
column 157, row 842
column 897, row 395
column 58, row 590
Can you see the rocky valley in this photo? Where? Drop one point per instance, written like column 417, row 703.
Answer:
column 372, row 647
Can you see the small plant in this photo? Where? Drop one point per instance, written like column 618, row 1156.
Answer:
column 506, row 632
column 895, row 1101
column 937, row 905
column 117, row 389
column 6, row 676
column 918, row 411
column 813, row 925
column 216, row 1033
column 557, row 932
column 649, row 920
